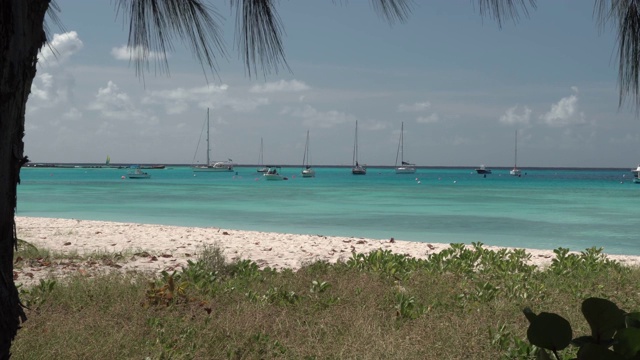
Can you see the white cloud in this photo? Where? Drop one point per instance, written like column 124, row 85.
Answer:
column 433, row 118
column 510, row 117
column 179, row 100
column 72, row 113
column 280, row 86
column 40, row 86
column 125, row 52
column 54, row 84
column 322, row 119
column 61, row 47
column 50, row 89
column 564, row 112
column 113, row 103
column 415, row 107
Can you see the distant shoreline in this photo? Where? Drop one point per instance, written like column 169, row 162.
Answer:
column 162, row 166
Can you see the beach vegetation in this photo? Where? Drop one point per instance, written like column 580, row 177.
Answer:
column 465, row 302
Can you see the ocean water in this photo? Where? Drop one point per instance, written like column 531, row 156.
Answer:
column 543, row 209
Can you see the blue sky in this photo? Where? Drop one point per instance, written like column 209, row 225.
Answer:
column 461, row 85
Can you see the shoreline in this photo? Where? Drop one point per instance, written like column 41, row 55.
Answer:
column 157, row 248
column 89, row 165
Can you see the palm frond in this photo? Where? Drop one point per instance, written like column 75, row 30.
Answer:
column 52, row 15
column 393, row 10
column 502, row 10
column 153, row 24
column 259, row 35
column 624, row 17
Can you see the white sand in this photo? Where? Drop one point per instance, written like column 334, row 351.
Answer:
column 158, row 247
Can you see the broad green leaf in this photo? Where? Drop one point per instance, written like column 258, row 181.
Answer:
column 582, row 340
column 597, row 352
column 587, row 339
column 604, row 318
column 627, row 342
column 550, row 331
column 633, row 320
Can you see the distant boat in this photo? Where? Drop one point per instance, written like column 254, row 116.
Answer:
column 357, row 168
column 483, row 170
column 515, row 171
column 405, row 167
column 218, row 166
column 272, row 174
column 261, row 168
column 307, row 171
column 108, row 160
column 137, row 173
column 636, row 175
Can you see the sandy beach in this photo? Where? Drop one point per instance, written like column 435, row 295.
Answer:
column 154, row 248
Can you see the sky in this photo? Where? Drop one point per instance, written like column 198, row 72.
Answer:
column 461, row 85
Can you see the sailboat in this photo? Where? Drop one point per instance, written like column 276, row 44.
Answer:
column 137, row 173
column 273, row 174
column 307, row 171
column 515, row 171
column 636, row 175
column 357, row 168
column 218, row 166
column 261, row 168
column 108, row 162
column 405, row 167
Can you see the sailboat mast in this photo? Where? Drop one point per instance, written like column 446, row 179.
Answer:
column 402, row 143
column 208, row 147
column 355, row 146
column 306, row 151
column 515, row 160
column 261, row 155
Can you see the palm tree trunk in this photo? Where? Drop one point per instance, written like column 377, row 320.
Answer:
column 21, row 37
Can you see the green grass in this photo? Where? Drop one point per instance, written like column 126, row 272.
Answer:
column 459, row 304
column 27, row 254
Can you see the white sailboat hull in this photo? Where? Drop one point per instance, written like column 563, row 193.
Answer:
column 405, row 170
column 273, row 174
column 216, row 167
column 138, row 174
column 636, row 175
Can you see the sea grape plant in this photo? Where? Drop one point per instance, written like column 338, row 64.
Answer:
column 615, row 334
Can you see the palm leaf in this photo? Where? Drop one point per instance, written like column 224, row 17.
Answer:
column 501, row 10
column 153, row 24
column 624, row 17
column 259, row 35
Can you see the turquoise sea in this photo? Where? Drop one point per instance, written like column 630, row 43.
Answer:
column 543, row 209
